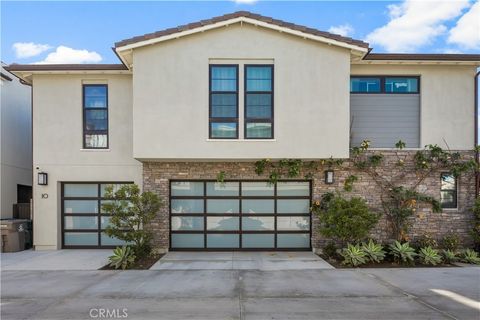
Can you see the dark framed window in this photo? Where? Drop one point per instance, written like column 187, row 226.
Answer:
column 385, row 84
column 448, row 190
column 258, row 81
column 223, row 101
column 83, row 220
column 240, row 215
column 95, row 116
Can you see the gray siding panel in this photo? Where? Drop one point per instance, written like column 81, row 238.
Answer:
column 384, row 119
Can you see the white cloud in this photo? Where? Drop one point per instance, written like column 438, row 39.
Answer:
column 466, row 32
column 68, row 55
column 245, row 1
column 29, row 49
column 415, row 23
column 452, row 51
column 343, row 30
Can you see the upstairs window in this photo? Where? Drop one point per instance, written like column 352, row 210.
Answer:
column 365, row 85
column 382, row 84
column 95, row 116
column 258, row 101
column 448, row 191
column 223, row 114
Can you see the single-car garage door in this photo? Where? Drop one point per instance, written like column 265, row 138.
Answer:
column 240, row 215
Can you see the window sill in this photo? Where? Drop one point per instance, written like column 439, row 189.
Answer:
column 450, row 209
column 95, row 150
column 241, row 140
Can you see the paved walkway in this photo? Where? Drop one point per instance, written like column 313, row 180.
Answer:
column 77, row 259
column 423, row 293
column 235, row 260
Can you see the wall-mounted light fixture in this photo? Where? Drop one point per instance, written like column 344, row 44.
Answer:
column 42, row 178
column 329, row 177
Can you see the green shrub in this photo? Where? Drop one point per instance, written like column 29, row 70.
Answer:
column 130, row 212
column 403, row 253
column 470, row 256
column 449, row 256
column 475, row 232
column 430, row 256
column 353, row 255
column 426, row 240
column 374, row 251
column 450, row 241
column 123, row 257
column 330, row 250
column 346, row 220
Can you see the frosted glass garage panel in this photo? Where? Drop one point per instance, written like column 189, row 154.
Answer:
column 293, row 206
column 293, row 223
column 80, row 206
column 80, row 190
column 258, row 223
column 251, row 206
column 257, row 189
column 187, row 188
column 223, row 189
column 111, row 241
column 187, row 223
column 223, row 241
column 81, row 238
column 258, row 240
column 80, row 223
column 229, row 206
column 187, row 240
column 186, row 206
column 293, row 189
column 301, row 240
column 223, row 223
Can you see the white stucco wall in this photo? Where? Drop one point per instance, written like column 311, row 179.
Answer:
column 446, row 101
column 57, row 130
column 170, row 96
column 16, row 141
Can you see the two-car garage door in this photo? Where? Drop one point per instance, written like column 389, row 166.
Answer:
column 240, row 215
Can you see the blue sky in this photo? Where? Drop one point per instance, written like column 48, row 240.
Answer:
column 84, row 32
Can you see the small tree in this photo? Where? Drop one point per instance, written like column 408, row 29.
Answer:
column 130, row 212
column 343, row 219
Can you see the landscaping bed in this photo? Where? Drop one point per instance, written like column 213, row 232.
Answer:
column 384, row 264
column 140, row 264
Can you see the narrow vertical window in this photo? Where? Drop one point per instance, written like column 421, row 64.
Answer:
column 448, row 191
column 258, row 102
column 95, row 116
column 223, row 123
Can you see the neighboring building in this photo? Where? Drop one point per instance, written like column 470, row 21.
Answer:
column 16, row 145
column 220, row 94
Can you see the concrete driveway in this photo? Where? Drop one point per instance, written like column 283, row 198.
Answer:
column 55, row 260
column 437, row 293
column 265, row 261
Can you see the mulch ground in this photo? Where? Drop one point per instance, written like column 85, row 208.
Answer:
column 142, row 264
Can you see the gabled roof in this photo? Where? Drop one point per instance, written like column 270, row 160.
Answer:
column 422, row 57
column 65, row 67
column 240, row 16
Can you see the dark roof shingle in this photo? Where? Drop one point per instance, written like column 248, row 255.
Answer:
column 239, row 14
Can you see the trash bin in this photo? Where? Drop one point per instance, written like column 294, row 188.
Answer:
column 13, row 234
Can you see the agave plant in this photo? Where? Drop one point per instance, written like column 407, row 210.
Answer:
column 353, row 255
column 450, row 256
column 123, row 257
column 470, row 256
column 431, row 256
column 374, row 251
column 402, row 252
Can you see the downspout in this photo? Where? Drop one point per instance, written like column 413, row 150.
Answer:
column 477, row 158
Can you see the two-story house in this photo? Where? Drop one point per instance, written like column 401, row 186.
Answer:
column 217, row 95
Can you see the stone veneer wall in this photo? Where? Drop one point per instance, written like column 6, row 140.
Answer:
column 156, row 177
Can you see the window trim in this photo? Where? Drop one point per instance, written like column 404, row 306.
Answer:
column 98, row 215
column 84, row 118
column 210, row 92
column 247, row 120
column 455, row 192
column 382, row 83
